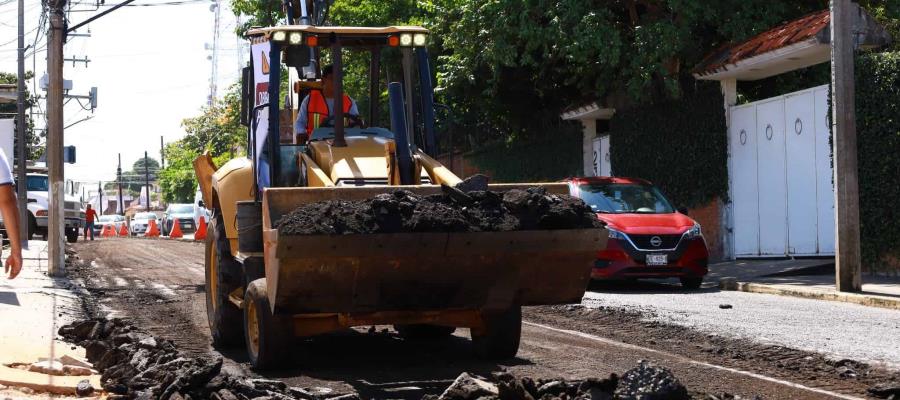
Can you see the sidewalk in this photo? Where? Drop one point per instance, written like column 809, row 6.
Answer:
column 809, row 278
column 32, row 309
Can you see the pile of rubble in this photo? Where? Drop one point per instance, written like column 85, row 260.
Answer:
column 451, row 211
column 645, row 382
column 137, row 365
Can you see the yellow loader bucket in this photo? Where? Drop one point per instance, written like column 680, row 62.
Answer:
column 366, row 273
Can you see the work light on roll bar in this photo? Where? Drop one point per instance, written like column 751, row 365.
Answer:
column 406, row 39
column 279, row 36
column 295, row 38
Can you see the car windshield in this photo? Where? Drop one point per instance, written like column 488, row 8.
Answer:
column 145, row 216
column 37, row 183
column 624, row 198
column 108, row 218
column 181, row 209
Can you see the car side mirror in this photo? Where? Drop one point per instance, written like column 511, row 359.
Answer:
column 683, row 210
column 201, row 204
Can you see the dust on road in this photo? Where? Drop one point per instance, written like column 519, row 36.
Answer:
column 159, row 286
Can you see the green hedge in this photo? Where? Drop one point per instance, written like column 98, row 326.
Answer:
column 878, row 144
column 548, row 159
column 680, row 145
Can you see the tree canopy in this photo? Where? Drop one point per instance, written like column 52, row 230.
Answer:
column 8, row 110
column 217, row 130
column 509, row 67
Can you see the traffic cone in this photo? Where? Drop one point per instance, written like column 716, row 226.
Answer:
column 152, row 229
column 176, row 230
column 201, row 229
column 108, row 231
column 123, row 231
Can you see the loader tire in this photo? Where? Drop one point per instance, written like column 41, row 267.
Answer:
column 424, row 331
column 222, row 277
column 500, row 339
column 267, row 336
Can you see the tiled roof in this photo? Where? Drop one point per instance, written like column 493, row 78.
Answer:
column 781, row 36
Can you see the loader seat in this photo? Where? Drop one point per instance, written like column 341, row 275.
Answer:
column 289, row 170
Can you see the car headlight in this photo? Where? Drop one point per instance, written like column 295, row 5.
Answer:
column 614, row 234
column 694, row 232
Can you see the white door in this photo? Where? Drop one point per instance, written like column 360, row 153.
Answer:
column 771, row 177
column 780, row 174
column 800, row 143
column 600, row 156
column 824, row 172
column 743, row 180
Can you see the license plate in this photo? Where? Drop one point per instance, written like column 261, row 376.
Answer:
column 657, row 259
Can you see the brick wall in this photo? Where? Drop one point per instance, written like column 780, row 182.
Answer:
column 708, row 218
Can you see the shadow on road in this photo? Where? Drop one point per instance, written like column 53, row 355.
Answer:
column 382, row 364
column 647, row 286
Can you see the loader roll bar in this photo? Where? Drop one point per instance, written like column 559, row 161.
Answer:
column 338, row 76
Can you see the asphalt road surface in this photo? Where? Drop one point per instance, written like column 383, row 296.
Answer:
column 159, row 286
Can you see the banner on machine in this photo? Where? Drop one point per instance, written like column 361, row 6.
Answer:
column 260, row 125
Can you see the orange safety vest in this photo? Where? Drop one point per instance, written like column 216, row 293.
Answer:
column 317, row 110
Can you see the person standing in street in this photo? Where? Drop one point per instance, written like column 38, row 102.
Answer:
column 9, row 209
column 89, row 216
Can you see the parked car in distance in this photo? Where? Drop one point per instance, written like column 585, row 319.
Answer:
column 648, row 238
column 184, row 214
column 141, row 222
column 117, row 221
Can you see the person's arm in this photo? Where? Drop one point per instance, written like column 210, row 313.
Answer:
column 10, row 210
column 300, row 123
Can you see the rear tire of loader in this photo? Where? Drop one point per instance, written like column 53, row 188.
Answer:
column 500, row 340
column 222, row 277
column 424, row 331
column 267, row 336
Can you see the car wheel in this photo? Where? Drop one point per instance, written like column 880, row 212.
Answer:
column 32, row 227
column 691, row 282
column 72, row 235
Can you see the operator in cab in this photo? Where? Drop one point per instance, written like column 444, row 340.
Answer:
column 318, row 106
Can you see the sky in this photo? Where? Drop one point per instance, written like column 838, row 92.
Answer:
column 150, row 67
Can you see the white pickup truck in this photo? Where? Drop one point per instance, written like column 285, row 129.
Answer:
column 38, row 186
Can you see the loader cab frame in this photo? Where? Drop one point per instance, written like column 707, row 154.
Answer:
column 411, row 100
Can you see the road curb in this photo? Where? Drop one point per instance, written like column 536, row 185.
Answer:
column 815, row 294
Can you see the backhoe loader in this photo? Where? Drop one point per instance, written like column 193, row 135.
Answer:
column 264, row 289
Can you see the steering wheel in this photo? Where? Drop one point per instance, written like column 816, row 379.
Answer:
column 355, row 122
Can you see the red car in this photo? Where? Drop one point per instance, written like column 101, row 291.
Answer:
column 648, row 238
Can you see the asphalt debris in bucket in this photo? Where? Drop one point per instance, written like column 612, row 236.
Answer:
column 451, row 211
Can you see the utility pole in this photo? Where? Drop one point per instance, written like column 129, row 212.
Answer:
column 147, row 178
column 100, row 201
column 21, row 128
column 848, row 264
column 119, row 178
column 56, row 244
column 162, row 153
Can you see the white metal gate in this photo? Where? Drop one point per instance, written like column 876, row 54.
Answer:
column 780, row 174
column 601, row 156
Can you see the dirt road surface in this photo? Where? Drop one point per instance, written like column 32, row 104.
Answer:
column 159, row 286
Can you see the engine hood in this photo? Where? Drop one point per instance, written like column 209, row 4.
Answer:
column 42, row 198
column 646, row 224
